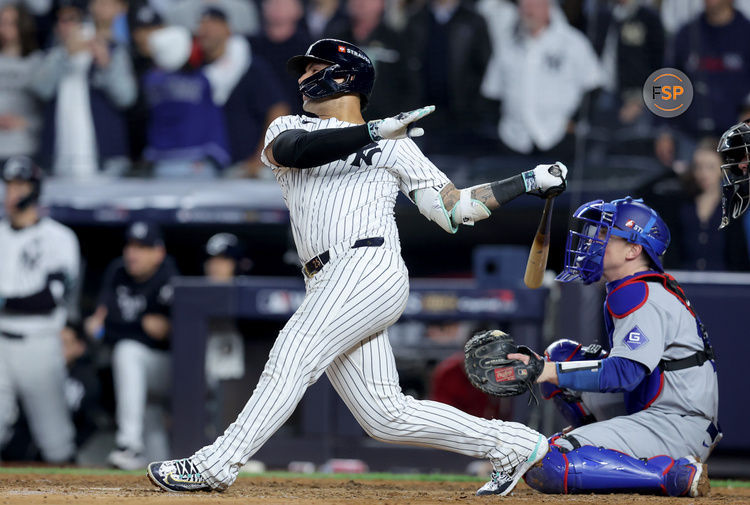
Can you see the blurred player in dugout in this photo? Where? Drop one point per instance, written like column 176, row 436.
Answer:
column 39, row 265
column 133, row 316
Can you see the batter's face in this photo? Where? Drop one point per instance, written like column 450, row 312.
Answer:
column 15, row 191
column 311, row 104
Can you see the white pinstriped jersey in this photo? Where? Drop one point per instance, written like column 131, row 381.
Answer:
column 345, row 200
column 27, row 258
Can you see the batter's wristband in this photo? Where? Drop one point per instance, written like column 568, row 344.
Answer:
column 506, row 190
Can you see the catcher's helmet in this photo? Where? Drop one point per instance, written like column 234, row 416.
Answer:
column 734, row 148
column 23, row 168
column 628, row 218
column 346, row 61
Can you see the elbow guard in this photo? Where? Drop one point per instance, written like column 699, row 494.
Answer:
column 468, row 210
column 430, row 205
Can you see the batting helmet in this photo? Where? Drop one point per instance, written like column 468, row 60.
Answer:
column 734, row 148
column 346, row 61
column 627, row 218
column 23, row 168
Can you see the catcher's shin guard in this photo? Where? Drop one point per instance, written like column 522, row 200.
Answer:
column 590, row 469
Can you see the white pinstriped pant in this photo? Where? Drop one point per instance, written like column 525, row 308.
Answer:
column 341, row 328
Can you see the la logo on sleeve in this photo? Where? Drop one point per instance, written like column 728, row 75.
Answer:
column 635, row 338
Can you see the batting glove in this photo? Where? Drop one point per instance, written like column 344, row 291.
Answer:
column 399, row 126
column 546, row 180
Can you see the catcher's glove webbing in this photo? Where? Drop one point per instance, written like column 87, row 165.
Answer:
column 490, row 370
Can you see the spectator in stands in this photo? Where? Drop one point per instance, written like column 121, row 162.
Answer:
column 677, row 13
column 541, row 75
column 186, row 134
column 394, row 87
column 708, row 51
column 697, row 241
column 629, row 38
column 243, row 85
column 450, row 47
column 320, row 15
column 283, row 35
column 19, row 112
column 110, row 20
column 501, row 16
column 242, row 15
column 82, row 388
column 133, row 316
column 86, row 81
column 144, row 20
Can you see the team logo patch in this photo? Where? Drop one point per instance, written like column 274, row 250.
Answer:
column 635, row 338
column 505, row 374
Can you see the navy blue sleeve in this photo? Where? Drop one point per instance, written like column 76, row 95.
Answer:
column 620, row 374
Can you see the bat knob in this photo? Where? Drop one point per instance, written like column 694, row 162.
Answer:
column 555, row 171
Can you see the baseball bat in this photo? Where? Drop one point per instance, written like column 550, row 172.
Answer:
column 537, row 261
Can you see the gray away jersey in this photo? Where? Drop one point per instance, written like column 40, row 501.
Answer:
column 346, row 200
column 27, row 258
column 664, row 329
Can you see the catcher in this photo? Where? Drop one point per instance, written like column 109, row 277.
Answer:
column 643, row 415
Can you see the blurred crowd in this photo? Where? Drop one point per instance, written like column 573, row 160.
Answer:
column 186, row 88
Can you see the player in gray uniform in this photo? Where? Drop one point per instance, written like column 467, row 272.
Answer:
column 648, row 417
column 39, row 262
column 340, row 177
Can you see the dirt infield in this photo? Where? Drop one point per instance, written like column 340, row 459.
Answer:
column 116, row 489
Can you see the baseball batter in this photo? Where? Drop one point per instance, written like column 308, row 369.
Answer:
column 340, row 177
column 648, row 416
column 39, row 262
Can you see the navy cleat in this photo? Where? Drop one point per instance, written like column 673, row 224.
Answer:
column 503, row 482
column 687, row 477
column 178, row 475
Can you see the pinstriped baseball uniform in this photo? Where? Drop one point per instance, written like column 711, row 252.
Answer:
column 341, row 328
column 32, row 367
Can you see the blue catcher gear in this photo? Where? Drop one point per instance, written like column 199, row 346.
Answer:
column 346, row 61
column 590, row 469
column 567, row 401
column 734, row 148
column 627, row 218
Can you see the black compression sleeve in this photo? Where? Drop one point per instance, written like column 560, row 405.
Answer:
column 303, row 149
column 41, row 302
column 508, row 189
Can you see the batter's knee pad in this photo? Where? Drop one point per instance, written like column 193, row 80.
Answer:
column 590, row 469
column 569, row 402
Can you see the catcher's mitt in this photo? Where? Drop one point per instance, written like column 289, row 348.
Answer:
column 490, row 370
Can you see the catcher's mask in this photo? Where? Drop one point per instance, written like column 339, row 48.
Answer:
column 734, row 148
column 346, row 61
column 596, row 221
